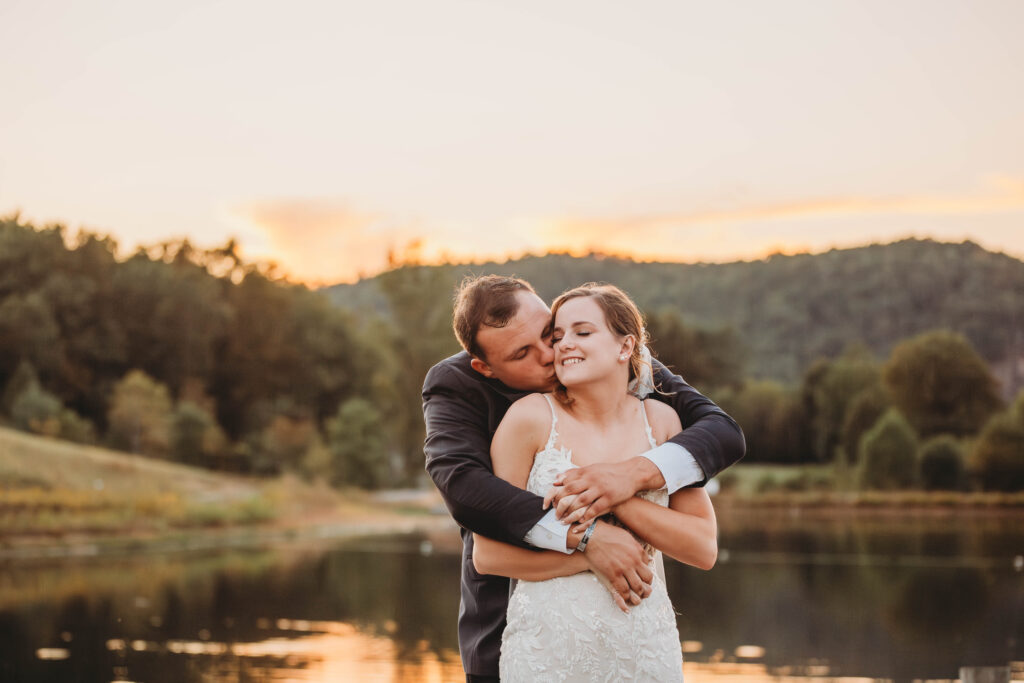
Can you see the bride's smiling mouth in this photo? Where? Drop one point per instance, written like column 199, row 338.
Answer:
column 575, row 360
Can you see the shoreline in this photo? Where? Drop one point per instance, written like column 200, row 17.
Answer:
column 386, row 518
column 85, row 545
column 877, row 502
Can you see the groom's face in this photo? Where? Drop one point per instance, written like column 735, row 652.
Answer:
column 520, row 354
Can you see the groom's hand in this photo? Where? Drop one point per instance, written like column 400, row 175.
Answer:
column 618, row 558
column 583, row 494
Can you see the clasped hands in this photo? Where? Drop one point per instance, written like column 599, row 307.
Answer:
column 581, row 495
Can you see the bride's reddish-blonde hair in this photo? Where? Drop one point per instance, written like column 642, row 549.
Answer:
column 621, row 314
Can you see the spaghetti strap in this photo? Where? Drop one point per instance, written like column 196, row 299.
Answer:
column 647, row 425
column 553, row 436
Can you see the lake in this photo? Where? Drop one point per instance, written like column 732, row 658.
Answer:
column 794, row 597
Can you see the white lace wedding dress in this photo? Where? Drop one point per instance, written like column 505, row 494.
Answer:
column 569, row 628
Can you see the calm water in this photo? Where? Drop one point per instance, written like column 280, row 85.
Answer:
column 791, row 599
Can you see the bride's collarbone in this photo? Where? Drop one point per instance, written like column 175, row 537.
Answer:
column 601, row 447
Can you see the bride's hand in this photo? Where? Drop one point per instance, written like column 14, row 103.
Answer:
column 564, row 504
column 621, row 563
column 585, row 493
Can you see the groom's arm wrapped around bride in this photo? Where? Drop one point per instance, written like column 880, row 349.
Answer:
column 462, row 411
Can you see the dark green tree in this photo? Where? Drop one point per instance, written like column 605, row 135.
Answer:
column 998, row 455
column 940, row 383
column 37, row 410
column 771, row 420
column 420, row 302
column 827, row 391
column 888, row 454
column 195, row 436
column 862, row 412
column 941, row 464
column 24, row 376
column 356, row 439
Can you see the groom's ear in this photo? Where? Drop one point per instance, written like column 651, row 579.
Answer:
column 481, row 367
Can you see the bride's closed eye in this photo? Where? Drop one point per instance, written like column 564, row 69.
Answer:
column 555, row 340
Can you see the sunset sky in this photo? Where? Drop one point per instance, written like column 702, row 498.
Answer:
column 323, row 134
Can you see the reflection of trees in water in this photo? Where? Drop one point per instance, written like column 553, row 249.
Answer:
column 845, row 595
column 939, row 605
column 403, row 595
column 17, row 651
column 878, row 603
column 391, row 590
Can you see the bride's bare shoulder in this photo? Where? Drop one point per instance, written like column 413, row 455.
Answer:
column 663, row 419
column 530, row 415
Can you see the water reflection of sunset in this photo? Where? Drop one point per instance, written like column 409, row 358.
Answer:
column 337, row 651
column 324, row 651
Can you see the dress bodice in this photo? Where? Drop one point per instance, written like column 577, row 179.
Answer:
column 552, row 460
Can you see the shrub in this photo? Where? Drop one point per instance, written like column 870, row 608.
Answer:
column 139, row 415
column 765, row 483
column 941, row 464
column 74, row 427
column 283, row 445
column 887, row 453
column 998, row 456
column 37, row 410
column 862, row 413
column 356, row 440
column 195, row 435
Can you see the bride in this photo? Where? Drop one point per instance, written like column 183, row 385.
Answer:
column 563, row 623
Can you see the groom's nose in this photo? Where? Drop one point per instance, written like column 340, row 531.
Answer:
column 547, row 354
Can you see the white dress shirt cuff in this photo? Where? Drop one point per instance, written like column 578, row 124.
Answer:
column 677, row 465
column 549, row 533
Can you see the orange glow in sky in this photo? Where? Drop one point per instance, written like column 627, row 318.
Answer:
column 329, row 135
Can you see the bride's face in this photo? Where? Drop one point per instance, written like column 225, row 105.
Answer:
column 586, row 349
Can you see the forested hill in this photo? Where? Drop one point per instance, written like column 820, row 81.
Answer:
column 786, row 310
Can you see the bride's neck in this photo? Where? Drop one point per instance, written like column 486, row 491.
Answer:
column 598, row 402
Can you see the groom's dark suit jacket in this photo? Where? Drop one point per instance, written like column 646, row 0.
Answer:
column 462, row 409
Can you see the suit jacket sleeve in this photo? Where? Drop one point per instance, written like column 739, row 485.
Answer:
column 458, row 459
column 709, row 434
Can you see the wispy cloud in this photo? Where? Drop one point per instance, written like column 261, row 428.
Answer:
column 752, row 230
column 322, row 240
column 325, row 240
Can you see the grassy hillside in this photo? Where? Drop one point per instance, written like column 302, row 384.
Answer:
column 51, row 488
column 790, row 310
column 33, row 462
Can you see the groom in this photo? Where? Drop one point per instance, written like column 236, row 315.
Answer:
column 504, row 328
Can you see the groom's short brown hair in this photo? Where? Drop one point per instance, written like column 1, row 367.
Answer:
column 485, row 300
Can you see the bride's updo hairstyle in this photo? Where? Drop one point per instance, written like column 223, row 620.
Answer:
column 621, row 315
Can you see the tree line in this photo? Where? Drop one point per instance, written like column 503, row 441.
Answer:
column 789, row 310
column 197, row 356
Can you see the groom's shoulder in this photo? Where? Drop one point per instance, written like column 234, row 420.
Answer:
column 453, row 372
